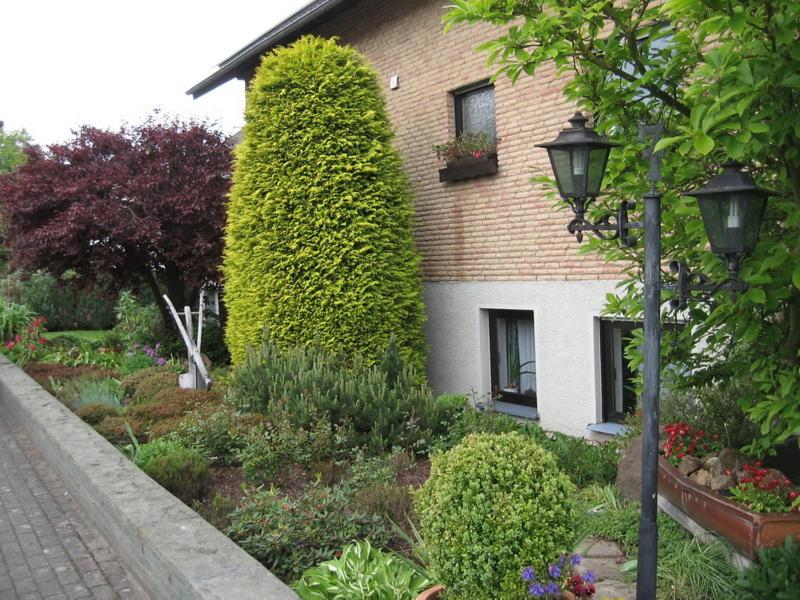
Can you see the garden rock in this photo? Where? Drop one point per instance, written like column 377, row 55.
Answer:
column 730, row 460
column 689, row 464
column 629, row 470
column 701, row 477
column 712, row 465
column 722, row 482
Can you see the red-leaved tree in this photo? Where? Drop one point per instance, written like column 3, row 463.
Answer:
column 142, row 205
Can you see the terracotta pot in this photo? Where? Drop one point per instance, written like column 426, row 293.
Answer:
column 746, row 530
column 431, row 593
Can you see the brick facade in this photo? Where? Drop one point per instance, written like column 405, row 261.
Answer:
column 495, row 228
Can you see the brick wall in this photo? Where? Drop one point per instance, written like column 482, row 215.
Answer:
column 492, row 228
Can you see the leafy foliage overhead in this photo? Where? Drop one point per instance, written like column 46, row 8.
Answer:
column 144, row 204
column 724, row 78
column 11, row 148
column 318, row 242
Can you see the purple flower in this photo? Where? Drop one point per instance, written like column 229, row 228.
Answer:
column 589, row 577
column 552, row 588
column 561, row 560
column 536, row 590
column 161, row 361
column 528, row 574
column 554, row 571
column 575, row 559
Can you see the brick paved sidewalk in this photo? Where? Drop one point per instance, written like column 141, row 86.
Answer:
column 48, row 550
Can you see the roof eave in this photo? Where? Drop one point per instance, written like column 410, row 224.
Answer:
column 231, row 67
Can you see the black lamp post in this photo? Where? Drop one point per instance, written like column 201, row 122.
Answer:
column 732, row 208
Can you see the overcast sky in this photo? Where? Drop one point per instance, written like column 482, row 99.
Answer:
column 65, row 64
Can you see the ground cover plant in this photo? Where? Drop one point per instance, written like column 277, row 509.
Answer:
column 318, row 242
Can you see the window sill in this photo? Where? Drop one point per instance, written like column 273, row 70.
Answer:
column 468, row 168
column 608, row 428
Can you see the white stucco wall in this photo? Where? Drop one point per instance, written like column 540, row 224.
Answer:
column 567, row 342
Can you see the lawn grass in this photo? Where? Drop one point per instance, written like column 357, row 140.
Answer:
column 90, row 335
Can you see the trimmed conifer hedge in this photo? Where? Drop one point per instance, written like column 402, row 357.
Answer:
column 319, row 245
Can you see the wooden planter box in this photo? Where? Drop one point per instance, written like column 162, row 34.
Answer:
column 466, row 168
column 747, row 531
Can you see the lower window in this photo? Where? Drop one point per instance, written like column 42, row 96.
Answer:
column 619, row 390
column 513, row 356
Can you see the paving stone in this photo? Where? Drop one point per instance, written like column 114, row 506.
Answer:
column 47, row 549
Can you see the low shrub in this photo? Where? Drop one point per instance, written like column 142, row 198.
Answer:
column 386, row 404
column 136, row 322
column 93, row 414
column 67, row 302
column 492, row 505
column 145, row 453
column 713, row 408
column 134, row 361
column 171, row 403
column 585, row 462
column 290, row 535
column 278, row 444
column 362, row 571
column 215, row 430
column 14, row 319
column 182, row 472
column 776, row 575
column 147, row 388
column 130, row 382
column 115, row 429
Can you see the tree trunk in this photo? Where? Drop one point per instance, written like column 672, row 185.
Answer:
column 152, row 283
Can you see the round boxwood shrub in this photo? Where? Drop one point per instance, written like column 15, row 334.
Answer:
column 493, row 505
column 319, row 244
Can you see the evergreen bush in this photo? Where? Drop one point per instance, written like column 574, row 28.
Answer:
column 384, row 409
column 492, row 505
column 182, row 472
column 319, row 244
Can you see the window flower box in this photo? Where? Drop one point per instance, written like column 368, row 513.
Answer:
column 746, row 530
column 468, row 167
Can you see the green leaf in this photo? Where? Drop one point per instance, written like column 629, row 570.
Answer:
column 796, row 276
column 756, row 295
column 792, row 81
column 743, row 72
column 702, row 143
column 758, row 127
column 668, row 142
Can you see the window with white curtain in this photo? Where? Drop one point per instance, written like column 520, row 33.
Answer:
column 513, row 355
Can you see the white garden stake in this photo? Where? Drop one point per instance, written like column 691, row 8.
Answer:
column 197, row 377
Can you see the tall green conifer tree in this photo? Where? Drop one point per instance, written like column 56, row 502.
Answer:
column 319, row 246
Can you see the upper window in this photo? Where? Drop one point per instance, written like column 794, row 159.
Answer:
column 513, row 356
column 475, row 110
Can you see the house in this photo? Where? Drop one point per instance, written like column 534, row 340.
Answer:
column 513, row 307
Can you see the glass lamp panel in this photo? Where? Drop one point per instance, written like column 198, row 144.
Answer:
column 597, row 167
column 580, row 169
column 561, row 159
column 724, row 220
column 755, row 214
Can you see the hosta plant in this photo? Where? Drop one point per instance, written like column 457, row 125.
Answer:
column 362, row 571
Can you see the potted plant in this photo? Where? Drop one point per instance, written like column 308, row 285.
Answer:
column 468, row 155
